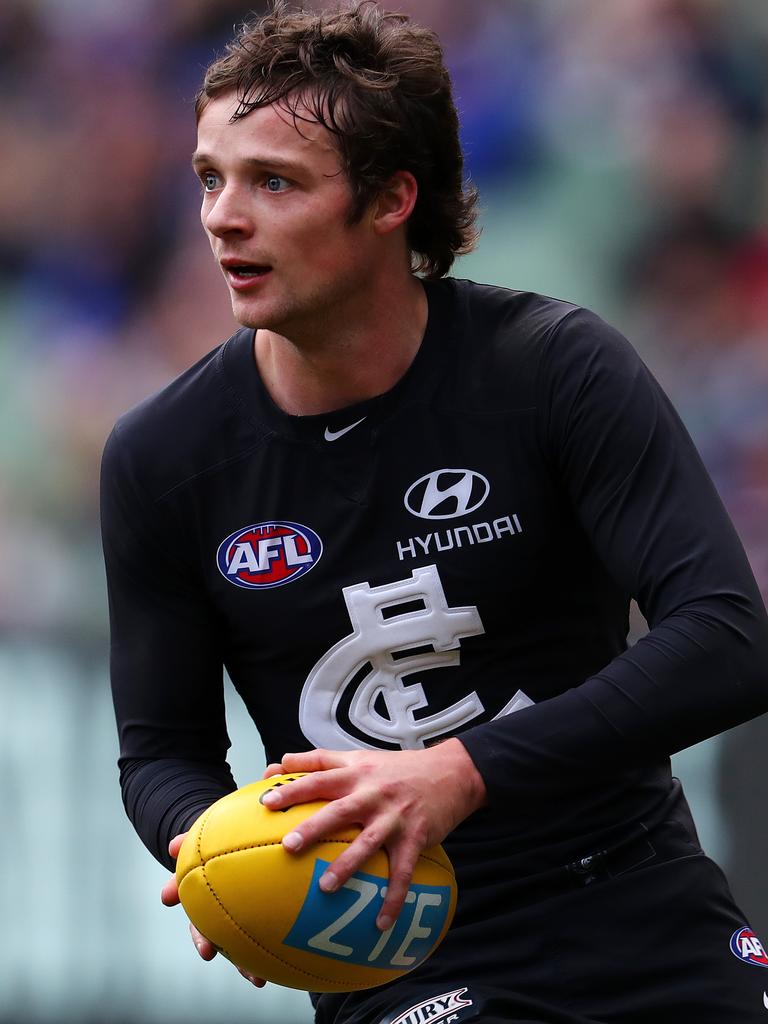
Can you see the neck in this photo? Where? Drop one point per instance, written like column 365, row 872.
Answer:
column 347, row 357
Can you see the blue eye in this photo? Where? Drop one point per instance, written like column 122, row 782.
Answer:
column 209, row 181
column 274, row 183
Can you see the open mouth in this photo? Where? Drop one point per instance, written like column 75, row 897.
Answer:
column 248, row 270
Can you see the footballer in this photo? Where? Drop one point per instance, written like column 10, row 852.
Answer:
column 408, row 513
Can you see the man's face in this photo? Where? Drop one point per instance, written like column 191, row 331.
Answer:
column 276, row 203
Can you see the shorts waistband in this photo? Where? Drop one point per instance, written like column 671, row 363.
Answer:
column 641, row 848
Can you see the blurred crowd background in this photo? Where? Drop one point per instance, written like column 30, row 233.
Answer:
column 621, row 150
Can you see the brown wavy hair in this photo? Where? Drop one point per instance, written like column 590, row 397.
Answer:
column 378, row 82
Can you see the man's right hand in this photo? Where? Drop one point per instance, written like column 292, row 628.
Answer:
column 170, row 898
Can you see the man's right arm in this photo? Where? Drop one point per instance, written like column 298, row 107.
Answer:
column 165, row 661
column 163, row 797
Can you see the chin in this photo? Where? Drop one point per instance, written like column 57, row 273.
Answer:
column 246, row 319
column 250, row 316
column 267, row 318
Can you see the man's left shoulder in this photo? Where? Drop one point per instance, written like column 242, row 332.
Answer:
column 495, row 304
column 501, row 337
column 530, row 326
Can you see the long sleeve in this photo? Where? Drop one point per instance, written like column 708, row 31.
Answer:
column 653, row 519
column 163, row 797
column 166, row 665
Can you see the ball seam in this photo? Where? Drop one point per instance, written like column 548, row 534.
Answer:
column 300, row 971
column 317, row 842
column 265, row 949
column 244, row 931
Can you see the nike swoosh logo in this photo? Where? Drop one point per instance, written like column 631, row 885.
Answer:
column 334, row 435
column 765, row 1000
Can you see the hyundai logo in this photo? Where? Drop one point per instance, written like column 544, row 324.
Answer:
column 447, row 493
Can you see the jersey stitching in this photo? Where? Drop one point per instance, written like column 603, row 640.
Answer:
column 235, row 395
column 543, row 441
column 268, row 434
column 211, row 469
column 138, row 491
column 647, row 443
column 234, row 398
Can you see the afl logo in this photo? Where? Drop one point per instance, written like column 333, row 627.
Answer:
column 447, row 493
column 268, row 555
column 748, row 948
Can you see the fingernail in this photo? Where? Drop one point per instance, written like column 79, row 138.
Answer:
column 292, row 841
column 329, row 882
column 271, row 798
column 384, row 923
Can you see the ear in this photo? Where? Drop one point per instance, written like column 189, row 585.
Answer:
column 394, row 204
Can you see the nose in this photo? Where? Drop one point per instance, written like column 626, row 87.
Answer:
column 226, row 212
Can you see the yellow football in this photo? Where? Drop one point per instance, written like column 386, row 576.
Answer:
column 263, row 908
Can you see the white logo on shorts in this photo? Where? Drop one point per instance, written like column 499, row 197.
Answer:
column 435, row 1010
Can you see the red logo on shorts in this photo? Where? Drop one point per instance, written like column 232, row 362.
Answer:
column 747, row 947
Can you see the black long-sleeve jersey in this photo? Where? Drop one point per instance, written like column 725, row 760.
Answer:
column 454, row 557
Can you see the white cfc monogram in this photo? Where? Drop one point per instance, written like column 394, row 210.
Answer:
column 397, row 629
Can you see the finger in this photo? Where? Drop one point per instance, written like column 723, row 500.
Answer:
column 175, row 844
column 272, row 769
column 204, row 946
column 258, row 982
column 402, row 863
column 169, row 894
column 369, row 842
column 321, row 785
column 315, row 760
column 335, row 816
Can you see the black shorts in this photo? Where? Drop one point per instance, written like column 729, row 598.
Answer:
column 647, row 933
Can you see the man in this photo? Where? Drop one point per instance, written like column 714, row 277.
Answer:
column 408, row 514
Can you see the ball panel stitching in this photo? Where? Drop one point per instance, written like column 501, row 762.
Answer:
column 299, row 970
column 257, row 846
column 318, row 842
column 197, row 844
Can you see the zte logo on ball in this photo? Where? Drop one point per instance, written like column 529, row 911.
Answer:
column 342, row 925
column 447, row 493
column 268, row 554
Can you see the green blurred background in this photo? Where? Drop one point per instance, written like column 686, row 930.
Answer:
column 621, row 149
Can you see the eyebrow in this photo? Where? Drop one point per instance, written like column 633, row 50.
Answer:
column 263, row 163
